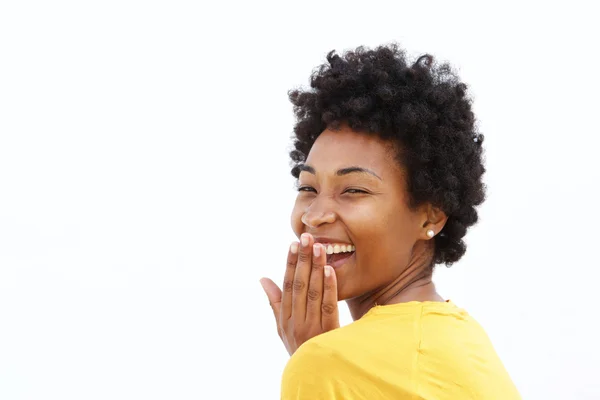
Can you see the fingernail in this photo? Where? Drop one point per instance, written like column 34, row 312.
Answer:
column 316, row 250
column 327, row 271
column 304, row 239
column 294, row 248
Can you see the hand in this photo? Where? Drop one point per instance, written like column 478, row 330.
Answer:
column 307, row 306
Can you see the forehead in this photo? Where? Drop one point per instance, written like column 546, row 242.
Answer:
column 344, row 148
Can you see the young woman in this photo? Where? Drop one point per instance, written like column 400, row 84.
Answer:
column 389, row 169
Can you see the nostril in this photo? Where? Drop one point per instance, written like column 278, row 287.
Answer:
column 315, row 219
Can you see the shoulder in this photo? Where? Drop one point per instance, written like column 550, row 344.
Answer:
column 365, row 342
column 345, row 363
column 452, row 337
column 317, row 368
column 454, row 346
column 307, row 373
column 452, row 330
column 316, row 355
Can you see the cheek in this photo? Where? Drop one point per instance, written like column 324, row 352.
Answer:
column 400, row 237
column 386, row 230
column 365, row 223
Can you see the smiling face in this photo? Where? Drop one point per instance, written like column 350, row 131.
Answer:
column 353, row 192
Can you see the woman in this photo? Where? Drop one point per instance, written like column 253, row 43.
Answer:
column 389, row 169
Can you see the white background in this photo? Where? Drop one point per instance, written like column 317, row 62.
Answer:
column 145, row 187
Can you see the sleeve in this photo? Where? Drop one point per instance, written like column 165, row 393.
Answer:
column 314, row 372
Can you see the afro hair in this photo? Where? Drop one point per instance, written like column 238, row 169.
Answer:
column 422, row 108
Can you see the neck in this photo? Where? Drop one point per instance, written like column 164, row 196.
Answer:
column 413, row 284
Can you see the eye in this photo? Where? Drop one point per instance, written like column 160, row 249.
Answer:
column 355, row 191
column 306, row 189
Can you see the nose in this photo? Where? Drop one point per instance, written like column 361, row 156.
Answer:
column 315, row 216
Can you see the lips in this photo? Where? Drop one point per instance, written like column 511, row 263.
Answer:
column 337, row 260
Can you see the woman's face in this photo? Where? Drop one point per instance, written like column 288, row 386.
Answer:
column 352, row 192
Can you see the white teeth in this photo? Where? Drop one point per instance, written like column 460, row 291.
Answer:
column 338, row 248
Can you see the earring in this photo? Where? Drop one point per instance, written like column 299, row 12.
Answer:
column 430, row 233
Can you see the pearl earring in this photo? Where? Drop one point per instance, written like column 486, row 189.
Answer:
column 430, row 233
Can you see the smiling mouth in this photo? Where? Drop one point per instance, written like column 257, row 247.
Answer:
column 338, row 254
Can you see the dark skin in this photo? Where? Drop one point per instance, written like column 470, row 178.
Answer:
column 352, row 190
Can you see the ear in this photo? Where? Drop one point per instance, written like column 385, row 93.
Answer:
column 434, row 220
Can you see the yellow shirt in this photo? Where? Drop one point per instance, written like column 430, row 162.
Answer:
column 415, row 350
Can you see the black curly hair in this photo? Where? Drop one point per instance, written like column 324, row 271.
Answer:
column 423, row 109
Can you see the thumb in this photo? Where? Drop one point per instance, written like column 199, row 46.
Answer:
column 273, row 293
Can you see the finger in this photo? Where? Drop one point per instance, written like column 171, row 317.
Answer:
column 288, row 283
column 315, row 287
column 274, row 295
column 330, row 318
column 301, row 277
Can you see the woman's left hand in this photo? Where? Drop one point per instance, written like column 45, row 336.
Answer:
column 307, row 306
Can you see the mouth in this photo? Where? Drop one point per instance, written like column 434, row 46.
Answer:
column 338, row 253
column 337, row 260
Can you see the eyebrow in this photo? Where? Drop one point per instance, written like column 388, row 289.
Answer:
column 342, row 171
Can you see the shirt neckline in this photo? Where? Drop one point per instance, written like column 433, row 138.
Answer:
column 408, row 306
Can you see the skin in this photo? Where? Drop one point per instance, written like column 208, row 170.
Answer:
column 352, row 189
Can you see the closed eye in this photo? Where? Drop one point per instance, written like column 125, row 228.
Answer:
column 355, row 191
column 306, row 189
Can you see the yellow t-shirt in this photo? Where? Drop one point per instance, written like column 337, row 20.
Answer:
column 415, row 350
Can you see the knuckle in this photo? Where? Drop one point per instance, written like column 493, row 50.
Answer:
column 303, row 257
column 328, row 308
column 316, row 267
column 328, row 286
column 290, row 264
column 299, row 285
column 288, row 285
column 313, row 294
